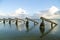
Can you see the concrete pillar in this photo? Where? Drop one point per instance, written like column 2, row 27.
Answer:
column 9, row 20
column 4, row 20
column 16, row 21
column 51, row 25
column 27, row 25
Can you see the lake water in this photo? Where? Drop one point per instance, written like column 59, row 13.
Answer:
column 33, row 32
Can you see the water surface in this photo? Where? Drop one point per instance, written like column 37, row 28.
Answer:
column 33, row 32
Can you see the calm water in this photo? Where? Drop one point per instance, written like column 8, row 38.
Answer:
column 33, row 32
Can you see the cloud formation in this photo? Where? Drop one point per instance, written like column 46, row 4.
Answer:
column 53, row 9
column 51, row 13
column 18, row 12
column 2, row 14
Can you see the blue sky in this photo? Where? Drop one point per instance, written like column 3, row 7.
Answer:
column 32, row 6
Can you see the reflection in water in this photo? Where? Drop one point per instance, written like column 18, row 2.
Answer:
column 16, row 23
column 42, row 27
column 4, row 20
column 0, row 20
column 41, row 37
column 35, row 24
column 18, row 32
column 27, row 25
column 10, row 21
column 17, row 27
column 53, row 25
column 20, row 26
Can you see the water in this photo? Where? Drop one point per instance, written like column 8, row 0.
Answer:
column 33, row 32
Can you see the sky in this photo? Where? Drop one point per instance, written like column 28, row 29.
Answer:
column 14, row 7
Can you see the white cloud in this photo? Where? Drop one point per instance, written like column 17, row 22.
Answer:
column 53, row 9
column 22, row 13
column 1, row 13
column 50, row 13
column 18, row 12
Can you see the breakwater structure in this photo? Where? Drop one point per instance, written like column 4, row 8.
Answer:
column 52, row 23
